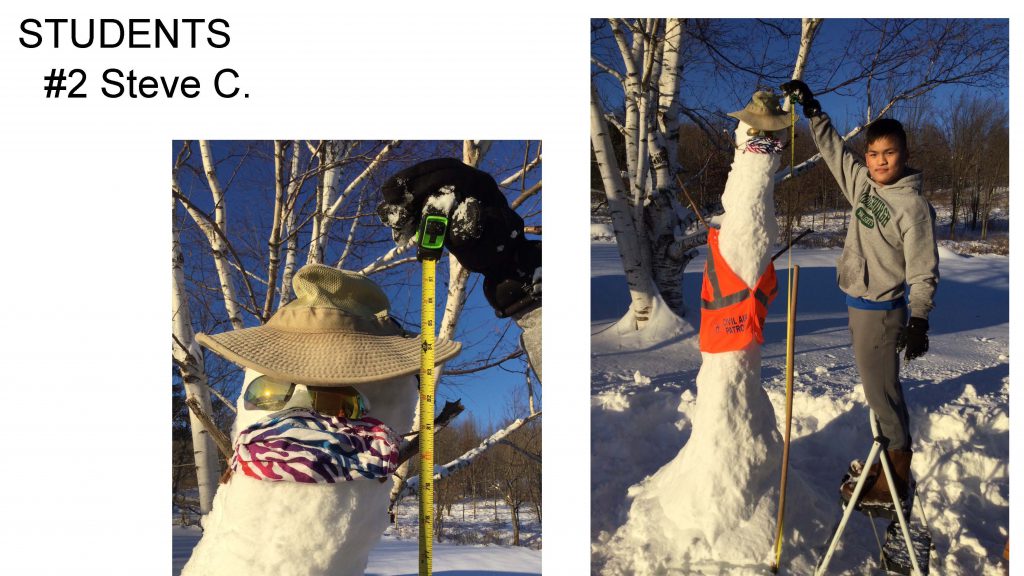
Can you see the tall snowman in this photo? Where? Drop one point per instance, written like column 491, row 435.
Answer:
column 715, row 502
column 329, row 386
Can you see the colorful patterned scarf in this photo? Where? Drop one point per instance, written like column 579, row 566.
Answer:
column 301, row 445
column 764, row 145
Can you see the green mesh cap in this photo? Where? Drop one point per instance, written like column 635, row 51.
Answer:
column 335, row 332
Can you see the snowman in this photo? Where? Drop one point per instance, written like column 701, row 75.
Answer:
column 329, row 387
column 716, row 500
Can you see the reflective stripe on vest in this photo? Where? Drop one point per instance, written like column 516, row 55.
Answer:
column 731, row 321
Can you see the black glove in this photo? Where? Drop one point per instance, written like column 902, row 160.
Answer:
column 802, row 94
column 510, row 294
column 484, row 234
column 913, row 337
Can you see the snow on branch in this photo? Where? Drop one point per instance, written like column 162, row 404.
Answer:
column 412, row 485
column 390, row 265
column 390, row 255
column 522, row 172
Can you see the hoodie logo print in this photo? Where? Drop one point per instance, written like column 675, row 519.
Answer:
column 871, row 210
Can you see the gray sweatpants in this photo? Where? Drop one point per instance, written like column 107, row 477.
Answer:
column 874, row 334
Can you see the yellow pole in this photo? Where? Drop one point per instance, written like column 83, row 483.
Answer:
column 427, row 313
column 790, row 341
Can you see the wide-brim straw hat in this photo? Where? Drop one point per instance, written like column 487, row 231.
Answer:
column 763, row 112
column 336, row 332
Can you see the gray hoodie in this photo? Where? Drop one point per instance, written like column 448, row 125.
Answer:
column 890, row 242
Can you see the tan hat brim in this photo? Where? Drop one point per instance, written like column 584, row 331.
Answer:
column 765, row 122
column 324, row 358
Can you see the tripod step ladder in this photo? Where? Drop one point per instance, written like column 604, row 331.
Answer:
column 900, row 527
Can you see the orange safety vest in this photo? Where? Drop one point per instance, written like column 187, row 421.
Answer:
column 732, row 314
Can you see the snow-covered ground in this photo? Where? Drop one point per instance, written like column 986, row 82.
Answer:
column 644, row 394
column 398, row 553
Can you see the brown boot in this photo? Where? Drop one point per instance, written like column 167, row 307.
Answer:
column 876, row 490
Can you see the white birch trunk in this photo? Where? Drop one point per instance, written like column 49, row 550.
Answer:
column 328, row 183
column 274, row 243
column 373, row 165
column 631, row 92
column 668, row 91
column 331, row 199
column 640, row 184
column 289, row 230
column 456, row 299
column 638, row 278
column 474, row 150
column 666, row 219
column 217, row 243
column 653, row 63
column 189, row 358
column 808, row 30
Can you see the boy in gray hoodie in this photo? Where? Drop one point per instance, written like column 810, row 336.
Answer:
column 890, row 251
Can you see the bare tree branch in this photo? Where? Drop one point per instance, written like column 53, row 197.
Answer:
column 412, row 484
column 515, row 354
column 219, row 438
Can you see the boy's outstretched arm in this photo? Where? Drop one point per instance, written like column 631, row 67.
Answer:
column 850, row 174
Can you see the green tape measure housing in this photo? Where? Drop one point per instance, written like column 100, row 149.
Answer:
column 431, row 237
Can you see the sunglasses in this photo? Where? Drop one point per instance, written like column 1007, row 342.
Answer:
column 265, row 393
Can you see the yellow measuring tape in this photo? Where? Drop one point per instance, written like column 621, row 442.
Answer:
column 790, row 342
column 427, row 313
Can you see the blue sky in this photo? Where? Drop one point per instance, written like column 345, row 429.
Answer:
column 753, row 44
column 245, row 170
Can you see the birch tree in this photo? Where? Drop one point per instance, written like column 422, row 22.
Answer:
column 654, row 247
column 189, row 360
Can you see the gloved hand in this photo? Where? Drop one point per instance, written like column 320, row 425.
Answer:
column 914, row 338
column 802, row 94
column 512, row 294
column 484, row 234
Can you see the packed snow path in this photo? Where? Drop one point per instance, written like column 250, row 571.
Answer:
column 643, row 395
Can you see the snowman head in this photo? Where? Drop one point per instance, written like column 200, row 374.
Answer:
column 764, row 125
